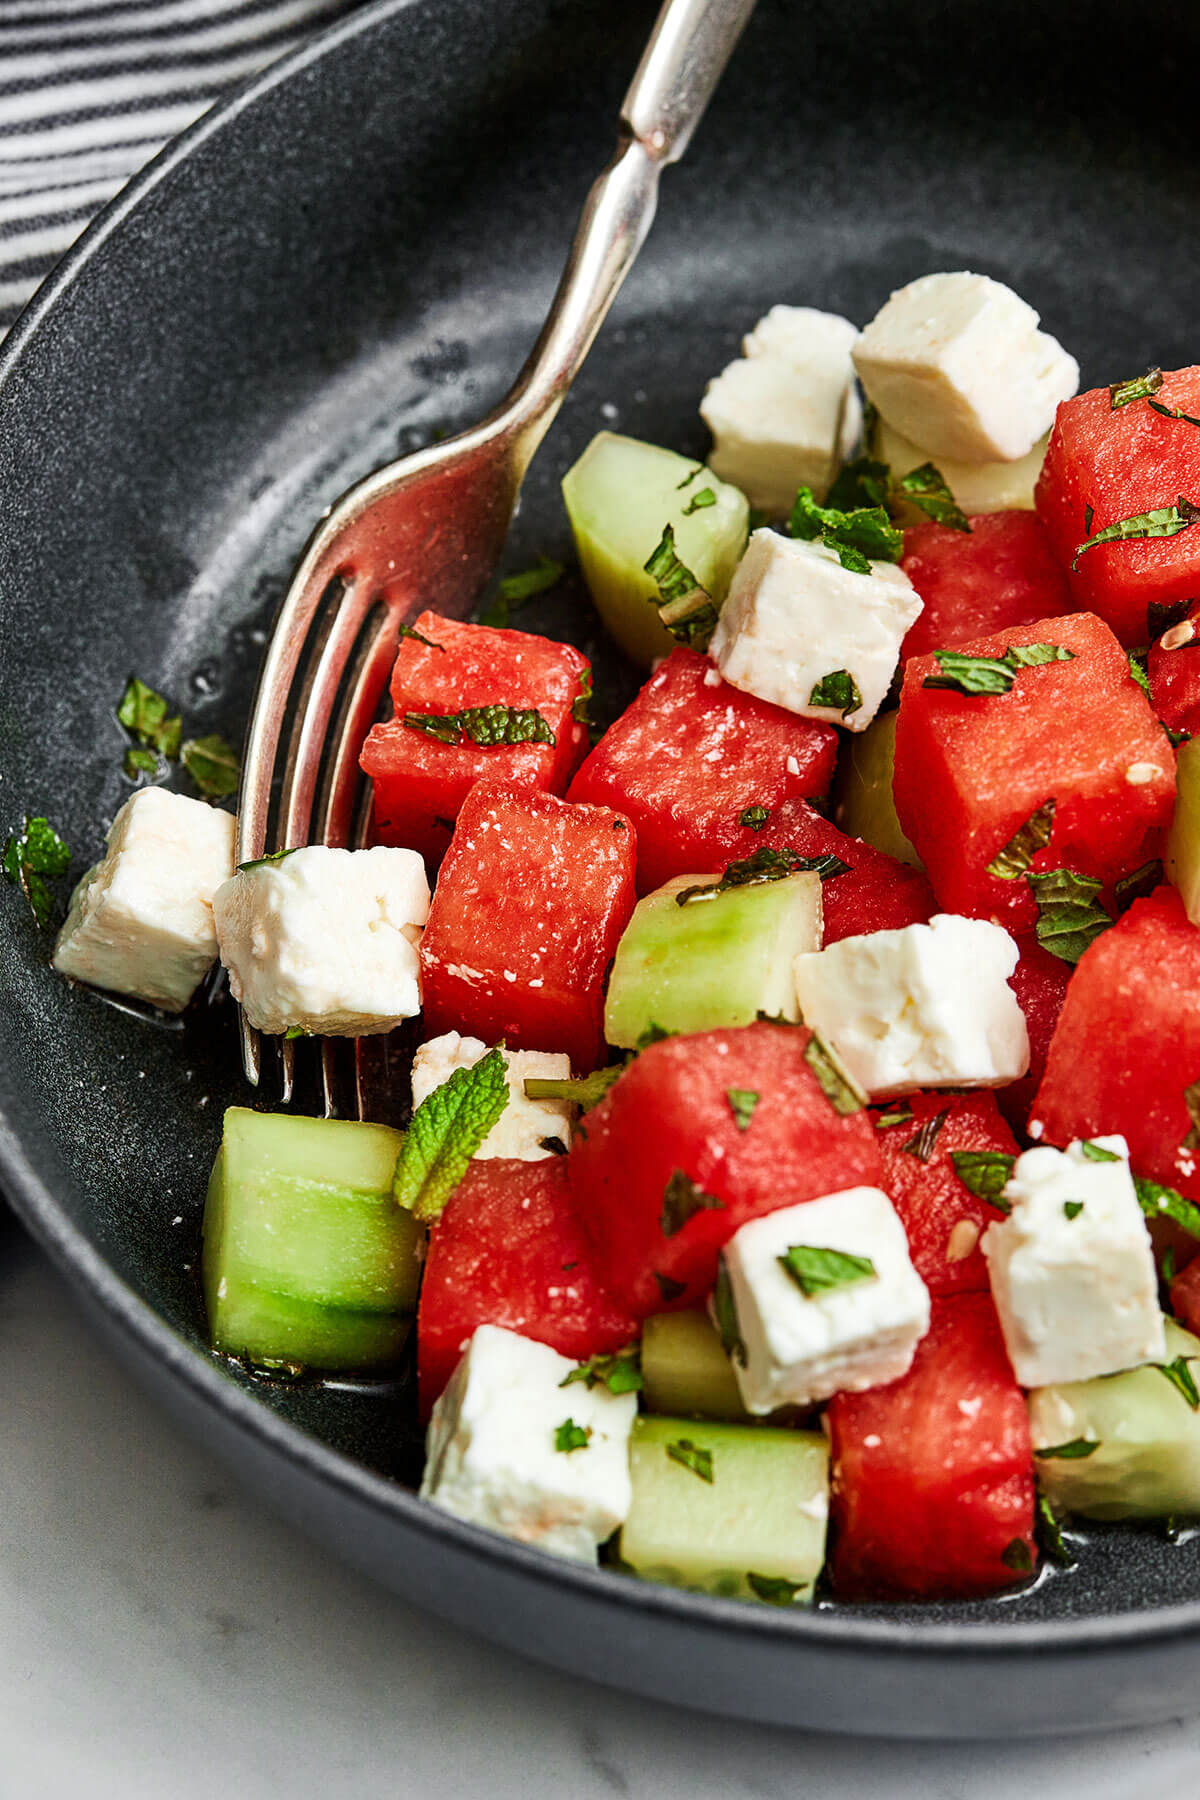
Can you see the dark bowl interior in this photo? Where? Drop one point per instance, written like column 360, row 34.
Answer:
column 353, row 257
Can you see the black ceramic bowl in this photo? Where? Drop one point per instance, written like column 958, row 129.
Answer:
column 354, row 254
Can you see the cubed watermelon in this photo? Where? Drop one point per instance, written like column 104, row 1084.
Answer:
column 1173, row 668
column 699, row 1135
column 973, row 769
column 421, row 780
column 933, row 1490
column 1040, row 983
column 943, row 1218
column 508, row 1251
column 873, row 893
column 1001, row 573
column 531, row 900
column 1185, row 1296
column 1107, row 463
column 1125, row 1055
column 691, row 753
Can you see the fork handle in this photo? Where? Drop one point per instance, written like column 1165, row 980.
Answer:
column 688, row 50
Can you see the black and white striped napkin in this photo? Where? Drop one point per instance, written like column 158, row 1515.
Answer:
column 91, row 89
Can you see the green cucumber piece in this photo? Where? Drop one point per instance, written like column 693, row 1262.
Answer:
column 307, row 1259
column 984, row 487
column 685, row 1369
column 760, row 1521
column 1147, row 1461
column 865, row 806
column 1183, row 840
column 619, row 496
column 714, row 962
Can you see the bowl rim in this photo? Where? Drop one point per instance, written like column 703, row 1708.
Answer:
column 149, row 1336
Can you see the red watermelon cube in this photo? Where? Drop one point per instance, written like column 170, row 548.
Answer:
column 420, row 780
column 1001, row 573
column 973, row 769
column 508, row 1251
column 933, row 1490
column 1185, row 1296
column 943, row 1218
column 531, row 899
column 1173, row 669
column 1125, row 1055
column 690, row 755
column 669, row 1165
column 1040, row 983
column 1104, row 464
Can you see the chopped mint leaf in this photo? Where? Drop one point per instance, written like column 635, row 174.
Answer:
column 685, row 608
column 922, row 1144
column 556, row 1147
column 1159, row 522
column 1072, row 1451
column 839, row 691
column 1191, row 1099
column 1014, row 860
column 1133, row 887
column 1162, row 614
column 860, row 483
column 1140, row 387
column 991, row 674
column 1070, row 914
column 1174, row 412
column 682, row 1200
column 32, row 856
column 1018, row 1557
column 273, row 856
column 1072, row 1208
column 418, row 637
column 1089, row 513
column 584, row 1091
column 703, row 497
column 668, row 1287
column 860, row 536
column 212, row 765
column 755, row 817
column 580, row 706
column 297, row 1031
column 1156, row 1200
column 742, row 1102
column 653, row 1034
column 985, row 1174
column 815, row 1269
column 927, row 489
column 544, row 574
column 486, row 726
column 1097, row 1153
column 764, row 864
column 1181, row 1377
column 1137, row 668
column 620, row 1371
column 689, row 478
column 1177, row 737
column 144, row 714
column 140, row 761
column 570, row 1436
column 1048, row 1532
column 899, row 1115
column 776, row 1590
column 692, row 1457
column 1167, row 1270
column 838, row 1086
column 446, row 1131
column 724, row 1310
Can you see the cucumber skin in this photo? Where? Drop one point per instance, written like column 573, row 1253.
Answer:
column 1148, row 1462
column 285, row 1280
column 865, row 806
column 1183, row 840
column 617, row 519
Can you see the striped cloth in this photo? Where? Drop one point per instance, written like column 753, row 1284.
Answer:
column 91, row 89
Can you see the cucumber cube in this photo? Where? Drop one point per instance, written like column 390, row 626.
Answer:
column 619, row 496
column 718, row 960
column 755, row 1530
column 307, row 1259
column 1146, row 1464
column 685, row 1369
column 865, row 805
column 1183, row 841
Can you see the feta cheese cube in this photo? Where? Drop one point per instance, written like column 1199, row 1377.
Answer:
column 524, row 1125
column 956, row 363
column 984, row 487
column 802, row 1347
column 1072, row 1267
column 325, row 939
column 787, row 412
column 794, row 617
column 492, row 1455
column 925, row 1006
column 141, row 921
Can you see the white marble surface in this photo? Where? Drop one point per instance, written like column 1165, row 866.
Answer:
column 162, row 1639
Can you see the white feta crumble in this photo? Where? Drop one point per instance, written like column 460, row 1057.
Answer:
column 801, row 1348
column 325, row 940
column 979, row 487
column 1072, row 1267
column 787, row 412
column 924, row 1006
column 956, row 363
column 491, row 1450
column 1139, row 773
column 794, row 618
column 524, row 1124
column 141, row 921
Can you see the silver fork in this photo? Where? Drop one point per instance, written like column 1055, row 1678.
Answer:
column 434, row 523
